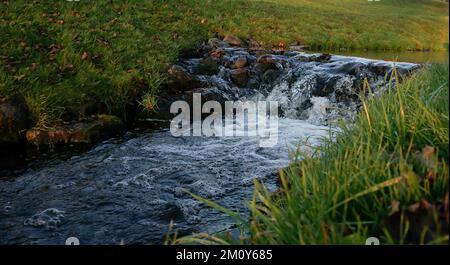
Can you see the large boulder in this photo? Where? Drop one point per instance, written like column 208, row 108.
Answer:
column 208, row 66
column 270, row 76
column 217, row 94
column 14, row 120
column 267, row 61
column 240, row 77
column 215, row 43
column 211, row 94
column 217, row 53
column 180, row 79
column 239, row 62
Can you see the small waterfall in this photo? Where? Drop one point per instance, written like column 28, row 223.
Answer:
column 314, row 87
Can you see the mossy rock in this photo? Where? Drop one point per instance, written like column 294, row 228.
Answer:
column 14, row 120
column 88, row 131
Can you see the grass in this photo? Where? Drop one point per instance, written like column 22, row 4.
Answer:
column 332, row 25
column 72, row 59
column 386, row 175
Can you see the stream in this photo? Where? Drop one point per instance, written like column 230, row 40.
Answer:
column 128, row 190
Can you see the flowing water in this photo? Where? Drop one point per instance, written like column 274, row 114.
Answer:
column 128, row 190
column 131, row 189
column 400, row 56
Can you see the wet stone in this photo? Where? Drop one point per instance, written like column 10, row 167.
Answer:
column 240, row 76
column 239, row 62
column 233, row 41
column 208, row 66
column 14, row 119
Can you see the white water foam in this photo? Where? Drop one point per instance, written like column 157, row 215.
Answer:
column 49, row 218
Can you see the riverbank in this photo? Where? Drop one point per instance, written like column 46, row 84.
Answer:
column 384, row 176
column 70, row 61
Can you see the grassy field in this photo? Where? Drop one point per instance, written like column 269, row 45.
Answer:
column 386, row 176
column 72, row 59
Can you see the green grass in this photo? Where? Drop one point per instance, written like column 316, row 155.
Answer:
column 71, row 59
column 331, row 24
column 395, row 155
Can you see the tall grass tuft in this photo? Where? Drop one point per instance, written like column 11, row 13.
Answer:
column 386, row 175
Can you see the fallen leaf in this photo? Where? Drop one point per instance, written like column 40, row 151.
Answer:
column 19, row 77
column 75, row 14
column 414, row 207
column 113, row 21
column 54, row 48
column 422, row 205
column 427, row 156
column 77, row 38
column 431, row 175
column 419, row 215
column 85, row 56
column 103, row 42
column 95, row 57
column 428, row 153
column 395, row 207
column 68, row 68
